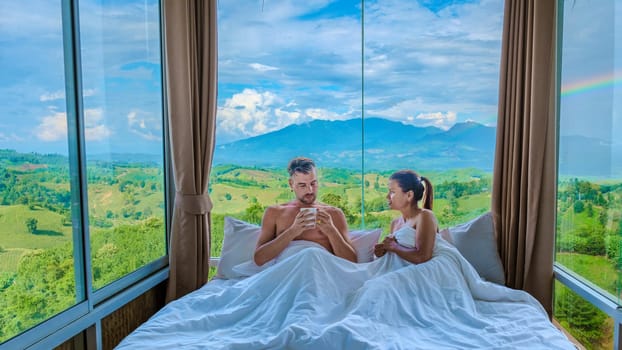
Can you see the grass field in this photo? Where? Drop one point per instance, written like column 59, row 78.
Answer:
column 124, row 194
column 9, row 259
column 239, row 198
column 600, row 270
column 14, row 233
column 15, row 240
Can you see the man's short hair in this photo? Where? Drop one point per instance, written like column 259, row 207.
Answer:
column 300, row 165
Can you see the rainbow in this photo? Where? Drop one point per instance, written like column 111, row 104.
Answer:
column 592, row 83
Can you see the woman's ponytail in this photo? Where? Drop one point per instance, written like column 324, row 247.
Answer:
column 428, row 196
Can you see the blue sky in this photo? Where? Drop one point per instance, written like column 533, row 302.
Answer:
column 592, row 63
column 120, row 62
column 426, row 63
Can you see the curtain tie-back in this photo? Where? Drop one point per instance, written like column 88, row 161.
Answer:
column 195, row 204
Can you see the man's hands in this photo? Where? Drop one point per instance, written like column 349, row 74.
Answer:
column 324, row 221
column 304, row 220
column 327, row 226
column 320, row 219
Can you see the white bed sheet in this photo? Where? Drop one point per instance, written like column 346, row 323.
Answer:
column 314, row 300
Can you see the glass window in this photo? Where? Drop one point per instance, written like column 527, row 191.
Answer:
column 591, row 327
column 364, row 89
column 56, row 151
column 37, row 247
column 289, row 85
column 121, row 89
column 589, row 225
column 431, row 90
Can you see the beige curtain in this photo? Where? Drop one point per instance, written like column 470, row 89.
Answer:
column 191, row 72
column 524, row 182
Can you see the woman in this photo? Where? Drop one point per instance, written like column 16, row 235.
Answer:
column 413, row 234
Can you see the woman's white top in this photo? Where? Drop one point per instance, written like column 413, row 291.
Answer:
column 405, row 236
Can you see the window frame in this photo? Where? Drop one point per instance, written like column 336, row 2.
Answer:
column 99, row 304
column 84, row 318
column 574, row 282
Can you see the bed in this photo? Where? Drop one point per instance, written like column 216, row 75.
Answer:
column 309, row 299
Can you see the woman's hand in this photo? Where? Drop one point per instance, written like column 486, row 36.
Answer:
column 389, row 243
column 379, row 250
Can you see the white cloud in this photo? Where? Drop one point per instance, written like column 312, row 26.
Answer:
column 51, row 96
column 15, row 14
column 88, row 92
column 95, row 128
column 52, row 127
column 60, row 94
column 262, row 67
column 421, row 67
column 12, row 137
column 437, row 119
column 325, row 114
column 251, row 113
column 287, row 115
column 93, row 116
column 420, row 113
column 97, row 133
column 135, row 73
column 144, row 124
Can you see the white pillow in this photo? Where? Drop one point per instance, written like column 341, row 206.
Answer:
column 363, row 242
column 238, row 246
column 476, row 242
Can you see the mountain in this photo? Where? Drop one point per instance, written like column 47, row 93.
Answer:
column 126, row 158
column 388, row 145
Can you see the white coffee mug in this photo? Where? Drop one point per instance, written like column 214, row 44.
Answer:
column 311, row 217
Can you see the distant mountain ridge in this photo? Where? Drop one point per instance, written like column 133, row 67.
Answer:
column 388, row 145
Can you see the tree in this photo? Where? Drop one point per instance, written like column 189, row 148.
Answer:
column 585, row 322
column 337, row 201
column 377, row 204
column 254, row 212
column 31, row 225
column 602, row 217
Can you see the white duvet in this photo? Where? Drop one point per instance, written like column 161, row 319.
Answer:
column 314, row 300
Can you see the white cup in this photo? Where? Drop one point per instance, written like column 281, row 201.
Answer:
column 311, row 215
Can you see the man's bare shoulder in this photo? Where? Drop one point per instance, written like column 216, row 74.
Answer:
column 278, row 209
column 281, row 206
column 328, row 207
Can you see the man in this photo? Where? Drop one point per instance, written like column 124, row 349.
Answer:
column 283, row 223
